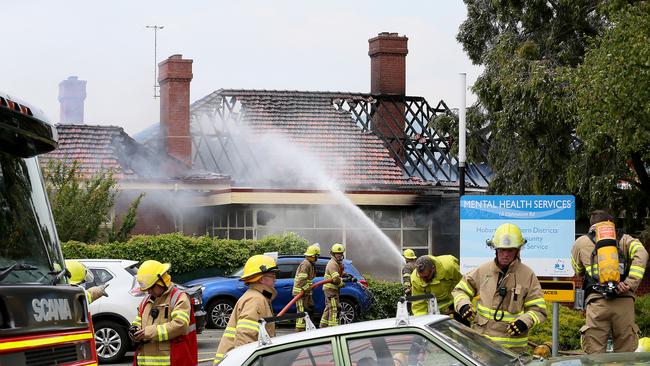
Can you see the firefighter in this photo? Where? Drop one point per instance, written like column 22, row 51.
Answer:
column 164, row 329
column 609, row 301
column 302, row 282
column 333, row 271
column 434, row 275
column 407, row 270
column 243, row 325
column 510, row 300
column 81, row 276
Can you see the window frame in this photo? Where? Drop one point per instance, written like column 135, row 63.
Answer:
column 336, row 350
column 451, row 351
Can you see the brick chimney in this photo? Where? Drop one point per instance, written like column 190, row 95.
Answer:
column 175, row 74
column 72, row 94
column 387, row 54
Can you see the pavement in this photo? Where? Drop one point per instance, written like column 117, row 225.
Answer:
column 207, row 342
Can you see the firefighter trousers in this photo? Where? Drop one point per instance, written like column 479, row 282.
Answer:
column 605, row 316
column 304, row 304
column 330, row 316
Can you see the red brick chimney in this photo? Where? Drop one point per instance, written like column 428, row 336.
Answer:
column 387, row 54
column 175, row 74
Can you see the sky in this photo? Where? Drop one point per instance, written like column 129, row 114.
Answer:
column 279, row 44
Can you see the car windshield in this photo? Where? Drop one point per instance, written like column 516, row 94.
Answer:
column 473, row 344
column 237, row 274
column 29, row 253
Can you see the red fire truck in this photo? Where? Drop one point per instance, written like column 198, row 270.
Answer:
column 43, row 320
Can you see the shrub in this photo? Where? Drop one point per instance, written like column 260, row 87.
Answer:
column 385, row 296
column 642, row 310
column 188, row 253
column 569, row 333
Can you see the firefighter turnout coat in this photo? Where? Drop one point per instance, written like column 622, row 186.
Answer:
column 169, row 330
column 333, row 271
column 243, row 326
column 522, row 300
column 446, row 277
column 407, row 270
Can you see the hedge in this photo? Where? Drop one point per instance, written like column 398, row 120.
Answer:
column 385, row 295
column 189, row 254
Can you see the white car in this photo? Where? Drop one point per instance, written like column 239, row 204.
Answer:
column 112, row 315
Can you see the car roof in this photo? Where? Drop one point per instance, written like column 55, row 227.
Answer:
column 240, row 354
column 123, row 262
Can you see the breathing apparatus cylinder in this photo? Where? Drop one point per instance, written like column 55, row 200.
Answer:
column 607, row 252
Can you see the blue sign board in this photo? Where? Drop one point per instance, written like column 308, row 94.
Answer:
column 546, row 222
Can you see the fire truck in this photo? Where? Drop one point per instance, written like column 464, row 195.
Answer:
column 43, row 319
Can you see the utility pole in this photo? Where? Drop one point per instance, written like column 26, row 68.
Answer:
column 462, row 157
column 155, row 58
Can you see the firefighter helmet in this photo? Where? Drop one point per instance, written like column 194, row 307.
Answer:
column 409, row 254
column 337, row 248
column 256, row 266
column 78, row 272
column 507, row 236
column 312, row 251
column 150, row 272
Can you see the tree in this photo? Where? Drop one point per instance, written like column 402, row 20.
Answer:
column 82, row 206
column 612, row 97
column 530, row 50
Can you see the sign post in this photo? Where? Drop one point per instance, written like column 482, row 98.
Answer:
column 546, row 222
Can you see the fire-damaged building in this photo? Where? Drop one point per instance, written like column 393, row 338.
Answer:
column 364, row 169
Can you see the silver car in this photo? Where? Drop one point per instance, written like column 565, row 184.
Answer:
column 418, row 341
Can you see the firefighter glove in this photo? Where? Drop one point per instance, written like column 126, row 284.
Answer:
column 467, row 313
column 516, row 328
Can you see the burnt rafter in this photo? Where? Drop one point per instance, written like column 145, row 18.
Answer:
column 416, row 146
column 402, row 124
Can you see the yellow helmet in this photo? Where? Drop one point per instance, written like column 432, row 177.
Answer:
column 507, row 236
column 78, row 272
column 256, row 266
column 152, row 271
column 312, row 251
column 338, row 248
column 409, row 254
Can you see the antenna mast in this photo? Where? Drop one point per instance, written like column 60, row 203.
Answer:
column 155, row 58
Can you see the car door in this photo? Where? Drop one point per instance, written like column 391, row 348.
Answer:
column 314, row 352
column 284, row 285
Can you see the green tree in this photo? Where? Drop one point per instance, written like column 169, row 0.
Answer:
column 82, row 206
column 612, row 97
column 527, row 96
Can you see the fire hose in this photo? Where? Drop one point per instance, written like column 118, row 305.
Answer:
column 302, row 292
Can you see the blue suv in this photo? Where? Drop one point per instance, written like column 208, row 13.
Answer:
column 221, row 293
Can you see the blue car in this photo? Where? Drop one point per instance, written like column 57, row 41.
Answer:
column 221, row 293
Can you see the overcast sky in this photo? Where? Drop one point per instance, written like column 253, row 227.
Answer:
column 296, row 45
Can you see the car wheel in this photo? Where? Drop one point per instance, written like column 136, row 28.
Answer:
column 111, row 341
column 219, row 312
column 349, row 312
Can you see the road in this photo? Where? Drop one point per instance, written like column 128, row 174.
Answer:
column 207, row 342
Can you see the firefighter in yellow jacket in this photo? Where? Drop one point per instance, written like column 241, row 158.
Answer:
column 609, row 301
column 333, row 271
column 81, row 276
column 243, row 325
column 436, row 275
column 510, row 297
column 302, row 282
column 164, row 328
column 407, row 270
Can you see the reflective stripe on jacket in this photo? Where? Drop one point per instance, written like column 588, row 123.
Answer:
column 446, row 277
column 243, row 326
column 304, row 277
column 170, row 338
column 333, row 271
column 523, row 300
column 636, row 258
